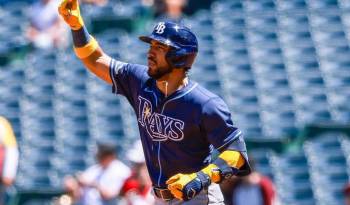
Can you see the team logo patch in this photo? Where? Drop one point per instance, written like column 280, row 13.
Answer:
column 159, row 126
column 160, row 28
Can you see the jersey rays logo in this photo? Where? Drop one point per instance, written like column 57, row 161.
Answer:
column 159, row 126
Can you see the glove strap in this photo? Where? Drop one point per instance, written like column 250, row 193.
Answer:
column 205, row 179
column 225, row 170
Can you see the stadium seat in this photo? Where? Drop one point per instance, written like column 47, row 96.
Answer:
column 257, row 6
column 283, row 5
column 292, row 178
column 323, row 152
column 261, row 162
column 319, row 5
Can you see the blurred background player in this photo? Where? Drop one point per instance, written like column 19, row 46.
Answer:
column 253, row 189
column 96, row 2
column 8, row 157
column 170, row 10
column 46, row 29
column 137, row 188
column 347, row 194
column 101, row 183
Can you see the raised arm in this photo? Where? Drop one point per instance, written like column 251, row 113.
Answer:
column 85, row 46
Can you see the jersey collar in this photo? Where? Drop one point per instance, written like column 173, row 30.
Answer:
column 178, row 93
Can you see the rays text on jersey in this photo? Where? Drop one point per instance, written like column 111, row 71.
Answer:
column 160, row 127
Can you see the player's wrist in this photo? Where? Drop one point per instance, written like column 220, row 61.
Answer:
column 84, row 43
column 81, row 37
column 227, row 165
column 76, row 27
column 204, row 178
column 87, row 50
column 213, row 172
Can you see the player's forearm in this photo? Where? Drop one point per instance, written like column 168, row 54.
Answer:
column 98, row 63
column 91, row 54
column 85, row 46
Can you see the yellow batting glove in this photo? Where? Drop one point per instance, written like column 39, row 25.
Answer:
column 69, row 10
column 184, row 186
column 187, row 186
column 229, row 160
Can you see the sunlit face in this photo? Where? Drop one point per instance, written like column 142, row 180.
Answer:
column 157, row 64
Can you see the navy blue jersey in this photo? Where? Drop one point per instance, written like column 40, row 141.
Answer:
column 176, row 131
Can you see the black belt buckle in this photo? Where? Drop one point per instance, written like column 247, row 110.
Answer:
column 162, row 193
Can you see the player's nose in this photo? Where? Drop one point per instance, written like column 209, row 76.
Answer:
column 150, row 53
column 150, row 50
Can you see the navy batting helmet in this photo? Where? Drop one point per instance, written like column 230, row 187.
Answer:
column 183, row 43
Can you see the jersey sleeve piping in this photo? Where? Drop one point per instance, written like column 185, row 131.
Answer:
column 111, row 74
column 233, row 136
column 114, row 67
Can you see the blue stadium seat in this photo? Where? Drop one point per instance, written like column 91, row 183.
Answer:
column 292, row 178
column 284, row 5
column 256, row 6
column 261, row 160
column 228, row 6
column 320, row 5
column 344, row 4
column 323, row 152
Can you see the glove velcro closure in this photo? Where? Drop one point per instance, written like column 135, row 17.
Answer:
column 204, row 178
column 226, row 171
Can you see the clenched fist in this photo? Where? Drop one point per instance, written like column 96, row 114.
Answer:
column 185, row 186
column 69, row 10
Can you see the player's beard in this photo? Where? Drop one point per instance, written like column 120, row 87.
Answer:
column 158, row 72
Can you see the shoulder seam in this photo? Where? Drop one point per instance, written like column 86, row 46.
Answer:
column 210, row 99
column 200, row 90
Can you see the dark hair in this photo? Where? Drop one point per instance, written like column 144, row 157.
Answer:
column 105, row 149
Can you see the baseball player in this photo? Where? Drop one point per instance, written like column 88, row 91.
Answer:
column 179, row 121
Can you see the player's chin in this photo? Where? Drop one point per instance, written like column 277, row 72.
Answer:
column 152, row 68
column 154, row 73
column 152, row 64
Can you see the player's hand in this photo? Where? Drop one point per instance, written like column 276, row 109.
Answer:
column 69, row 10
column 184, row 186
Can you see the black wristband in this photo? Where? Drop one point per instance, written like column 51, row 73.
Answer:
column 81, row 37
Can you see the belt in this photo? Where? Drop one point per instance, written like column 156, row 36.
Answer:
column 162, row 193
